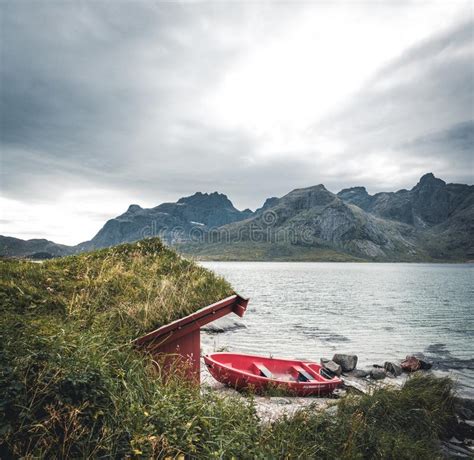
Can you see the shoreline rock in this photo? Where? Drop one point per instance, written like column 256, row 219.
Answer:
column 347, row 362
column 331, row 366
column 378, row 374
column 359, row 373
column 392, row 368
column 412, row 364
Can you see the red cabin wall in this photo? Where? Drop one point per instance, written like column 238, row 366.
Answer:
column 181, row 355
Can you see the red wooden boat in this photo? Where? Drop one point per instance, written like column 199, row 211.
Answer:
column 300, row 378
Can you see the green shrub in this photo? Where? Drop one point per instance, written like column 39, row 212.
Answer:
column 387, row 424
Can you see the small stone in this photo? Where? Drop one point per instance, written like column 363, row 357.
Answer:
column 339, row 392
column 331, row 366
column 377, row 374
column 347, row 362
column 425, row 365
column 278, row 400
column 393, row 368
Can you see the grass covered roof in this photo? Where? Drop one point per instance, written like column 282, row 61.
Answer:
column 131, row 288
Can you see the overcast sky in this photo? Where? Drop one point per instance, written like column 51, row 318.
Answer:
column 107, row 103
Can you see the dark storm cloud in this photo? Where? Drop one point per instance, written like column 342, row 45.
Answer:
column 457, row 141
column 81, row 81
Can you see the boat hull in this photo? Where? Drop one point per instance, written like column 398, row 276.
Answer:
column 259, row 374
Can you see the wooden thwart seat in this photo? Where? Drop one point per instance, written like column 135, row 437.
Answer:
column 263, row 370
column 303, row 376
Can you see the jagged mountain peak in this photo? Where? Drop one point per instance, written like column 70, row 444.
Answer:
column 134, row 208
column 312, row 188
column 354, row 190
column 317, row 195
column 207, row 200
column 356, row 195
column 429, row 181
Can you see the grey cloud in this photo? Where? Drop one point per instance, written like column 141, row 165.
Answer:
column 419, row 107
column 111, row 94
column 458, row 141
column 80, row 81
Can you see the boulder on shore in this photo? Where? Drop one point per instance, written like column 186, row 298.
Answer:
column 377, row 374
column 359, row 373
column 393, row 368
column 331, row 366
column 347, row 362
column 412, row 364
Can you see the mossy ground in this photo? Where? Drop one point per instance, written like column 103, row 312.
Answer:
column 72, row 385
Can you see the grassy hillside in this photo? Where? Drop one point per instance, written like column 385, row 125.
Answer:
column 131, row 288
column 72, row 386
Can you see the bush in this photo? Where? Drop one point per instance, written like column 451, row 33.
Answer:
column 387, row 424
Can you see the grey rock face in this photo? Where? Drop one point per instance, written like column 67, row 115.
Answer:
column 347, row 362
column 357, row 196
column 429, row 203
column 190, row 217
column 269, row 203
column 440, row 215
column 315, row 217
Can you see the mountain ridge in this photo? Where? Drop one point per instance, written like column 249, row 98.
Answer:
column 431, row 221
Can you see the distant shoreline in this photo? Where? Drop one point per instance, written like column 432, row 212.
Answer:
column 432, row 262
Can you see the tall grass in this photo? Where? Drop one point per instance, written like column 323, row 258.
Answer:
column 70, row 394
column 72, row 386
column 386, row 424
column 130, row 289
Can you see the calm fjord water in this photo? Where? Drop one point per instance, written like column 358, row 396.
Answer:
column 378, row 311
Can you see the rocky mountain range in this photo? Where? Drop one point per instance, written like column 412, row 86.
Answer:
column 173, row 222
column 432, row 221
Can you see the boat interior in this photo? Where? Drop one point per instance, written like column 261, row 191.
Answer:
column 274, row 369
